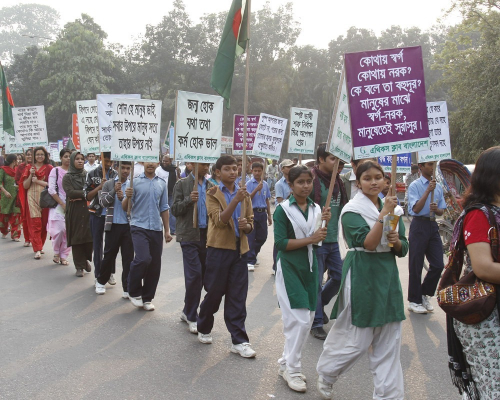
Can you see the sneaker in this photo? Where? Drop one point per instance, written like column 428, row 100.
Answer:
column 251, row 267
column 112, row 280
column 88, row 268
column 417, row 308
column 243, row 350
column 137, row 301
column 100, row 289
column 193, row 328
column 325, row 389
column 125, row 295
column 427, row 304
column 294, row 381
column 257, row 262
column 205, row 338
column 148, row 306
column 318, row 333
column 282, row 370
column 79, row 273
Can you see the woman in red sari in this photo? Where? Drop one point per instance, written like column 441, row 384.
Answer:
column 22, row 196
column 34, row 179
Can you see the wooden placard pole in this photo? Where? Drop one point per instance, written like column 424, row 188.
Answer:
column 394, row 170
column 132, row 186
column 332, row 185
column 195, row 188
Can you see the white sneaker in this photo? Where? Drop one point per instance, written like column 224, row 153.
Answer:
column 325, row 389
column 148, row 306
column 137, row 301
column 112, row 280
column 125, row 295
column 251, row 267
column 100, row 289
column 417, row 308
column 193, row 328
column 205, row 338
column 243, row 350
column 427, row 304
column 257, row 262
column 282, row 370
column 294, row 381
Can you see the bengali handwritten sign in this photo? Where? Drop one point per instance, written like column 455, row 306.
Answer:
column 403, row 165
column 238, row 125
column 269, row 136
column 227, row 144
column 340, row 136
column 54, row 151
column 198, row 127
column 303, row 125
column 104, row 117
column 88, row 126
column 11, row 146
column 29, row 126
column 169, row 137
column 439, row 133
column 387, row 102
column 136, row 130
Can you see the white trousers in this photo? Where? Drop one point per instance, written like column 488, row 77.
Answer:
column 297, row 323
column 346, row 344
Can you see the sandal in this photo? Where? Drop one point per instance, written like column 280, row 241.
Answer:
column 56, row 258
column 16, row 240
column 64, row 262
column 27, row 244
column 38, row 255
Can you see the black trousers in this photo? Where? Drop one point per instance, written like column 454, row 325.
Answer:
column 146, row 266
column 81, row 254
column 194, row 255
column 226, row 275
column 117, row 239
column 424, row 240
column 97, row 229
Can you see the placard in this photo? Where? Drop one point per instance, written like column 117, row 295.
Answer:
column 136, row 130
column 269, row 136
column 11, row 146
column 29, row 126
column 303, row 125
column 75, row 133
column 238, row 126
column 60, row 144
column 439, row 133
column 169, row 138
column 387, row 102
column 88, row 126
column 104, row 116
column 340, row 136
column 54, row 151
column 227, row 144
column 198, row 127
column 65, row 140
column 403, row 165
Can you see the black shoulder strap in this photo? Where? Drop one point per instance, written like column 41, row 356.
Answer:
column 57, row 178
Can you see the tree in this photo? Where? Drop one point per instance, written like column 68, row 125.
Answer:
column 25, row 25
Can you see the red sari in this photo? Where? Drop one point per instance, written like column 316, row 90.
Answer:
column 37, row 226
column 21, row 198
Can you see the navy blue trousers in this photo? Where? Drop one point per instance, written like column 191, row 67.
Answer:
column 226, row 275
column 424, row 240
column 194, row 255
column 117, row 239
column 97, row 230
column 258, row 236
column 146, row 266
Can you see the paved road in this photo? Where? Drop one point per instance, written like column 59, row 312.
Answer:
column 59, row 340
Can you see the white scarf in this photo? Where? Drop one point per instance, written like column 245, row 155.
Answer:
column 362, row 205
column 301, row 227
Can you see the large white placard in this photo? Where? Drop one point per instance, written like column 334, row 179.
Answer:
column 54, row 152
column 11, row 146
column 303, row 125
column 269, row 136
column 29, row 126
column 198, row 127
column 136, row 130
column 104, row 116
column 340, row 137
column 86, row 111
column 439, row 133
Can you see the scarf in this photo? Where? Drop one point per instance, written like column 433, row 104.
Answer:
column 301, row 227
column 9, row 171
column 78, row 176
column 318, row 176
column 457, row 363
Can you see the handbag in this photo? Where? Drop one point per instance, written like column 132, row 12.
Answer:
column 46, row 199
column 469, row 300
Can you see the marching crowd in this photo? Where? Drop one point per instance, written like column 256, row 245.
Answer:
column 221, row 220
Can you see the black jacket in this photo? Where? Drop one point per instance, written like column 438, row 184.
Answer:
column 94, row 179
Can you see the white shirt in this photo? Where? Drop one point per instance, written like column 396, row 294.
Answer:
column 138, row 169
column 161, row 173
column 354, row 188
column 90, row 167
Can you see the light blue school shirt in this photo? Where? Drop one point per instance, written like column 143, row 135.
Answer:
column 202, row 203
column 119, row 215
column 415, row 193
column 259, row 200
column 230, row 196
column 282, row 189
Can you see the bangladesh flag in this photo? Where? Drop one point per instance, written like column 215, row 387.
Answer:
column 233, row 43
column 7, row 104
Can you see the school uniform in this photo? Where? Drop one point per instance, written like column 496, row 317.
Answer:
column 149, row 200
column 258, row 236
column 282, row 189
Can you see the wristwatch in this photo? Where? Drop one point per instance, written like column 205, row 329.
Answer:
column 381, row 221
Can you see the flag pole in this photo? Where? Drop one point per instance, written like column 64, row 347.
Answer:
column 245, row 103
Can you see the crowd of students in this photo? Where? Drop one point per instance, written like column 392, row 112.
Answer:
column 222, row 223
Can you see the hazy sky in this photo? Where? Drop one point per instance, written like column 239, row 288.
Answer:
column 321, row 20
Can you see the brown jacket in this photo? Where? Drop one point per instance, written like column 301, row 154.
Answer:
column 221, row 235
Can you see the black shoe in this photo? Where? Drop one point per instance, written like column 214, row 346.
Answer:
column 318, row 333
column 325, row 318
column 88, row 267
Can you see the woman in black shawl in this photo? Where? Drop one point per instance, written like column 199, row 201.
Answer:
column 77, row 215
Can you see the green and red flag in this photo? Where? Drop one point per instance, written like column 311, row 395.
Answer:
column 233, row 44
column 7, row 104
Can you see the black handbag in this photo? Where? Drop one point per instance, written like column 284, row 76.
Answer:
column 46, row 199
